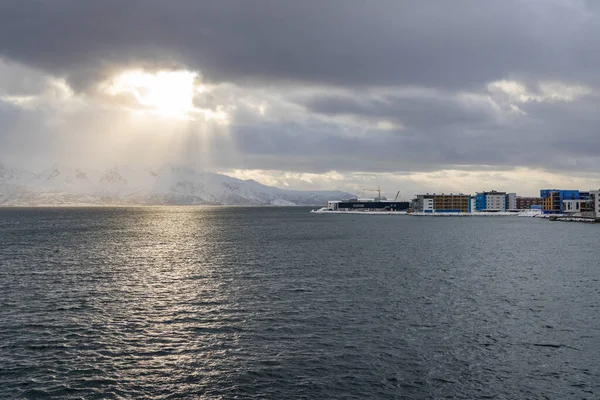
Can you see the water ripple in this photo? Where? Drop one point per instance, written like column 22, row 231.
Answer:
column 187, row 302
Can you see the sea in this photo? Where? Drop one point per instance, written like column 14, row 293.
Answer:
column 279, row 303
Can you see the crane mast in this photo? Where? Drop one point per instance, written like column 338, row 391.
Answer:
column 378, row 190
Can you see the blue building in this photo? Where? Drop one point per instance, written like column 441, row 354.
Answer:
column 492, row 201
column 552, row 199
column 480, row 202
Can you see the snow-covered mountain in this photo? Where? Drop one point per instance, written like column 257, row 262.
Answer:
column 62, row 185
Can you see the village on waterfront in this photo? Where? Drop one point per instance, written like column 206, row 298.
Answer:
column 554, row 204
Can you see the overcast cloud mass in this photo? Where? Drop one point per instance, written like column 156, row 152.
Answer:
column 416, row 96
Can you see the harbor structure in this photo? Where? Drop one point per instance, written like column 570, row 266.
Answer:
column 571, row 205
column 563, row 204
column 553, row 199
column 442, row 203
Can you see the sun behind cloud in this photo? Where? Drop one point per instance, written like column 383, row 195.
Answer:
column 167, row 93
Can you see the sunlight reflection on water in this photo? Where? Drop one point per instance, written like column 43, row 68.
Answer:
column 187, row 302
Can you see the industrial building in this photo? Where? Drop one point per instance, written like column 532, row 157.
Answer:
column 367, row 205
column 442, row 203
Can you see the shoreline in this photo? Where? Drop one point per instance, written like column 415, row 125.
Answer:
column 522, row 214
column 528, row 214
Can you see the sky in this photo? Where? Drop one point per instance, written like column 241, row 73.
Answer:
column 414, row 96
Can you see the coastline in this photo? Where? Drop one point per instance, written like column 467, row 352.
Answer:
column 523, row 214
column 527, row 213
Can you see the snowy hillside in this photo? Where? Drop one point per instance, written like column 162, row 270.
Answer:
column 62, row 185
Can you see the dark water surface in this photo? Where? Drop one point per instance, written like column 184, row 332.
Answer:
column 278, row 303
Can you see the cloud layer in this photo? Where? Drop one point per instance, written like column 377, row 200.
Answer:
column 322, row 89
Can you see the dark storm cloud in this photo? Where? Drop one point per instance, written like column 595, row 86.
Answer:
column 348, row 85
column 431, row 43
column 412, row 111
column 570, row 129
column 264, row 149
column 556, row 135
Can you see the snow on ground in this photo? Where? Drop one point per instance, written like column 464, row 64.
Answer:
column 575, row 219
column 527, row 213
column 124, row 185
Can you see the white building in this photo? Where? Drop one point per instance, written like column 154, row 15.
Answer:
column 595, row 194
column 511, row 201
column 332, row 205
column 492, row 201
column 495, row 202
column 428, row 205
column 573, row 206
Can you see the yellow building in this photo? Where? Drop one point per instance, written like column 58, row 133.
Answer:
column 442, row 203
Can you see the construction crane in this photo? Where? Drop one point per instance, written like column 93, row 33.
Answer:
column 397, row 195
column 378, row 190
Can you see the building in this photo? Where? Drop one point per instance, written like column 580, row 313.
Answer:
column 595, row 202
column 526, row 203
column 511, row 201
column 492, row 201
column 553, row 199
column 585, row 195
column 423, row 203
column 442, row 203
column 575, row 206
column 367, row 205
column 480, row 201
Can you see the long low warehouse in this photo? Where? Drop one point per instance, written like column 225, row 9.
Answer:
column 368, row 205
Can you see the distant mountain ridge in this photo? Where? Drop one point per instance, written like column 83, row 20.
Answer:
column 169, row 185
